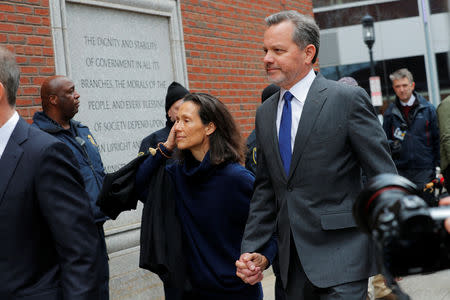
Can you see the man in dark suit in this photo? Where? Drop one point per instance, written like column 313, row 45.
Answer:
column 250, row 164
column 60, row 102
column 313, row 138
column 47, row 231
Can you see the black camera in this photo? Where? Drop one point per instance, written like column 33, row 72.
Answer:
column 409, row 236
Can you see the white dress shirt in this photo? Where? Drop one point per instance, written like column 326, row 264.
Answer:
column 6, row 131
column 299, row 91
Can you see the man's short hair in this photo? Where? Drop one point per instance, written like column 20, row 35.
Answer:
column 306, row 30
column 9, row 74
column 401, row 73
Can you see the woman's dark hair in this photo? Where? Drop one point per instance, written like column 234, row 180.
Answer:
column 225, row 143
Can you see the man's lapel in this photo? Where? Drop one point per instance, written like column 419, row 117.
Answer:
column 11, row 156
column 271, row 120
column 314, row 102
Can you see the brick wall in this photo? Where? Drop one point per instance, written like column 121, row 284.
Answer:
column 25, row 30
column 223, row 41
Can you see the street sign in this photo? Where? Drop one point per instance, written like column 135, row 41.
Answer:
column 375, row 91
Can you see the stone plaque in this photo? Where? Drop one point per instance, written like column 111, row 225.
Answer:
column 122, row 55
column 120, row 62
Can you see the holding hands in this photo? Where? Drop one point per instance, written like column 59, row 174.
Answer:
column 250, row 266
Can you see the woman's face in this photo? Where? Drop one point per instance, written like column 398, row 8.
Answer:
column 191, row 133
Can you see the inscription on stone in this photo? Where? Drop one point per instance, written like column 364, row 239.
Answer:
column 121, row 65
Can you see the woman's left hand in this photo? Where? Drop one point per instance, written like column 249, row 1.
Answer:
column 170, row 144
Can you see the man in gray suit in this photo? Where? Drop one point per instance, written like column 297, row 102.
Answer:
column 313, row 138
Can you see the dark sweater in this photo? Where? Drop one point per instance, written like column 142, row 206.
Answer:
column 212, row 204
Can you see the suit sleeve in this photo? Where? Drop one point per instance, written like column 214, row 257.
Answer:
column 65, row 207
column 443, row 113
column 367, row 137
column 261, row 221
column 435, row 138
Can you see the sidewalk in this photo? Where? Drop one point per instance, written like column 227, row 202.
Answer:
column 268, row 285
column 434, row 286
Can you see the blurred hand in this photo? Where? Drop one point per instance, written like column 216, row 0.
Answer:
column 170, row 144
column 446, row 201
column 250, row 266
column 396, row 147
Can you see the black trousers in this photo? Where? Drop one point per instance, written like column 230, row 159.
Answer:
column 279, row 290
column 171, row 293
column 300, row 288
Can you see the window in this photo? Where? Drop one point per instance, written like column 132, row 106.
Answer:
column 322, row 3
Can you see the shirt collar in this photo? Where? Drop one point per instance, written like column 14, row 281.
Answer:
column 300, row 89
column 6, row 131
column 410, row 101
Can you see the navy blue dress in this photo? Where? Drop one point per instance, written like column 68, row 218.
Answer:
column 212, row 204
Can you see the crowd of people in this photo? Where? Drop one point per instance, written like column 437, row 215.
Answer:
column 284, row 200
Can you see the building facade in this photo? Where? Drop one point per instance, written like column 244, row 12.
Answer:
column 400, row 40
column 122, row 55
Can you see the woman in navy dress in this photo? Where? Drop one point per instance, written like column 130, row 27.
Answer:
column 213, row 192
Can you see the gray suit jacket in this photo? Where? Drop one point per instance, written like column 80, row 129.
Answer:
column 338, row 134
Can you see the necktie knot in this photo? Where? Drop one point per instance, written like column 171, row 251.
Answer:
column 288, row 96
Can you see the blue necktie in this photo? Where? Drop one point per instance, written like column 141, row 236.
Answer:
column 284, row 135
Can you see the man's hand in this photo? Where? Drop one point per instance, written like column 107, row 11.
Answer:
column 446, row 201
column 250, row 266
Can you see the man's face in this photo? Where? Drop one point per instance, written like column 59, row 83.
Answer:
column 68, row 102
column 173, row 110
column 403, row 88
column 4, row 116
column 285, row 62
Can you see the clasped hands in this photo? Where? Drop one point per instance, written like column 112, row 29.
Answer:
column 250, row 267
